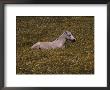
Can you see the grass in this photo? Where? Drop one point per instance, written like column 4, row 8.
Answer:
column 75, row 58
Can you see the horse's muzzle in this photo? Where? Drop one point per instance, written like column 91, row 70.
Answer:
column 73, row 40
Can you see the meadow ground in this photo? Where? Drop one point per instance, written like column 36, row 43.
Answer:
column 75, row 58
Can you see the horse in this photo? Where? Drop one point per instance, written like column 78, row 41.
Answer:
column 57, row 43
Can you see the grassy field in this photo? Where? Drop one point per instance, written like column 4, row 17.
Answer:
column 75, row 58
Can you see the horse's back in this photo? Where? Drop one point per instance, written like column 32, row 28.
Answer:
column 41, row 45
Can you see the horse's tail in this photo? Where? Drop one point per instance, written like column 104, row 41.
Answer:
column 36, row 46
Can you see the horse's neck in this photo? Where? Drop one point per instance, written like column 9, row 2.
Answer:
column 60, row 39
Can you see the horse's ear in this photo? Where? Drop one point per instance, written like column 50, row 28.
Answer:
column 65, row 32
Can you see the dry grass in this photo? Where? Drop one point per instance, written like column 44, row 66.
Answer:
column 76, row 58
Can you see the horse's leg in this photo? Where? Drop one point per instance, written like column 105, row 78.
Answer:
column 63, row 47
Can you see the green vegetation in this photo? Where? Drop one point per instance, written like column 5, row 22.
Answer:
column 75, row 58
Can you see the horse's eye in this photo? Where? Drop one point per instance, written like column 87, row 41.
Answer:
column 69, row 35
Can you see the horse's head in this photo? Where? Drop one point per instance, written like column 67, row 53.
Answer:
column 69, row 36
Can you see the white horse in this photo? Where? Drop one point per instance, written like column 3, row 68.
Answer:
column 58, row 43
